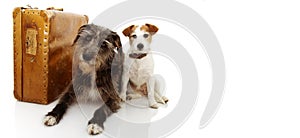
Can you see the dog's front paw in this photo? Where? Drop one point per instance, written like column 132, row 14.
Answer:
column 159, row 99
column 94, row 129
column 154, row 106
column 166, row 100
column 50, row 120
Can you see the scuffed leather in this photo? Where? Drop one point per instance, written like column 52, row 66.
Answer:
column 40, row 78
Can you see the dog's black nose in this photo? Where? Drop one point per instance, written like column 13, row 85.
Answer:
column 140, row 46
column 87, row 56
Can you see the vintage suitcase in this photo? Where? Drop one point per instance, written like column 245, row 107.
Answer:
column 43, row 52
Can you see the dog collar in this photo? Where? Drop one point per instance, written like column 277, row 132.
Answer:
column 137, row 56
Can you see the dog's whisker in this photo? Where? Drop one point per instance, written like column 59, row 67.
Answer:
column 107, row 42
column 116, row 50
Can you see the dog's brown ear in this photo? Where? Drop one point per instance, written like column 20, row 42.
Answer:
column 127, row 31
column 151, row 28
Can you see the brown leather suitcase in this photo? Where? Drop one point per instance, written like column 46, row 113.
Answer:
column 43, row 52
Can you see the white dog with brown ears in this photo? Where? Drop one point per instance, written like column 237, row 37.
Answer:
column 138, row 79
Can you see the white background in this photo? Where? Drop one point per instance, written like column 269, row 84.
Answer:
column 259, row 39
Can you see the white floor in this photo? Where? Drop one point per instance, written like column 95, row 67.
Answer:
column 28, row 120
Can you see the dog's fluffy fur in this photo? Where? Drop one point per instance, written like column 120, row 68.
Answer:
column 138, row 79
column 97, row 70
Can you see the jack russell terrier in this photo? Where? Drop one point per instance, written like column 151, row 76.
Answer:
column 138, row 79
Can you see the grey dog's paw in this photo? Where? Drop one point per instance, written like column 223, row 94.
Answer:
column 50, row 120
column 94, row 129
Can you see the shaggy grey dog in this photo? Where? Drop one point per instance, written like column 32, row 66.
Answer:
column 97, row 69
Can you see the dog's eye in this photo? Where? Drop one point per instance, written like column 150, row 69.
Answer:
column 146, row 35
column 134, row 36
column 100, row 44
column 88, row 38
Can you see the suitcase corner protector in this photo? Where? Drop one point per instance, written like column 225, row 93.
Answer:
column 16, row 11
column 18, row 97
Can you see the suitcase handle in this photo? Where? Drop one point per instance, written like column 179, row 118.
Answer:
column 29, row 6
column 49, row 8
column 53, row 8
